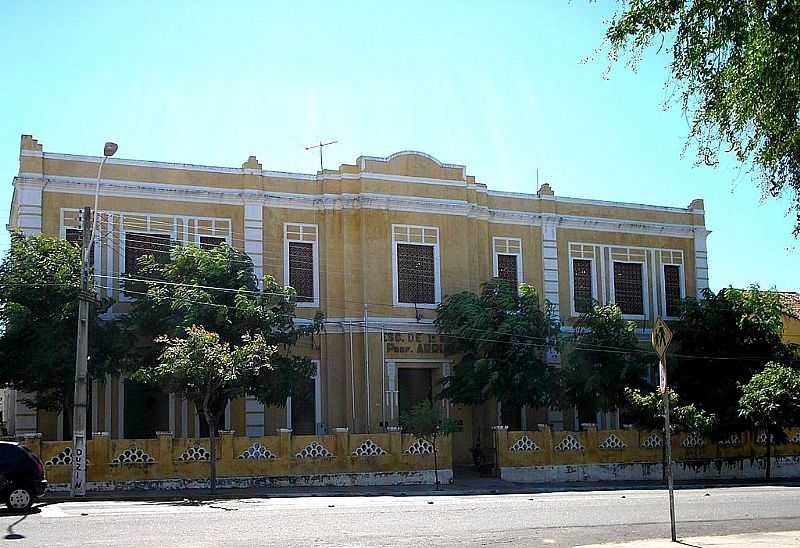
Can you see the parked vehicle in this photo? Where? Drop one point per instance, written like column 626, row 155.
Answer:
column 22, row 478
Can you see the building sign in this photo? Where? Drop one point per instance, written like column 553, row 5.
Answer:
column 414, row 344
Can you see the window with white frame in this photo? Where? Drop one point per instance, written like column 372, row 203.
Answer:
column 629, row 270
column 75, row 236
column 210, row 242
column 508, row 260
column 139, row 244
column 672, row 286
column 415, row 265
column 582, row 286
column 301, row 262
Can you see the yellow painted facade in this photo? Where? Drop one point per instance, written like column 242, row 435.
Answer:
column 356, row 219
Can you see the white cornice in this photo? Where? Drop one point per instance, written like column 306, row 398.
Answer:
column 237, row 197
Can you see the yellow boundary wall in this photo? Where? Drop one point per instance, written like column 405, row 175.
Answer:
column 167, row 458
column 546, row 448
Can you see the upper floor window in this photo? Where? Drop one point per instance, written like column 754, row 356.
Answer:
column 582, row 277
column 139, row 244
column 672, row 290
column 75, row 236
column 210, row 242
column 582, row 285
column 415, row 268
column 508, row 260
column 629, row 288
column 301, row 262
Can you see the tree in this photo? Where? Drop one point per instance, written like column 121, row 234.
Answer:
column 39, row 284
column 602, row 359
column 722, row 340
column 500, row 337
column 771, row 401
column 210, row 372
column 201, row 305
column 426, row 422
column 736, row 67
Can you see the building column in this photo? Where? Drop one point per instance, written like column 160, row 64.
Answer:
column 700, row 259
column 254, row 237
column 550, row 261
column 391, row 395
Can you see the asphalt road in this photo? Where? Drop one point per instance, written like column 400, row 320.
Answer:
column 551, row 519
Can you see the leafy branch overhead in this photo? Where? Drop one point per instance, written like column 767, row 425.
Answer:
column 736, row 67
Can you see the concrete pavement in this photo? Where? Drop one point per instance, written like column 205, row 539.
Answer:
column 783, row 539
column 540, row 519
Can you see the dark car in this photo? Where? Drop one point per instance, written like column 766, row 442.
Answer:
column 21, row 476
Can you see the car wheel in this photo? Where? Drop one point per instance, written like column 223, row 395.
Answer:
column 19, row 498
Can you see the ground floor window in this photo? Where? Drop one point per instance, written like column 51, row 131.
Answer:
column 146, row 410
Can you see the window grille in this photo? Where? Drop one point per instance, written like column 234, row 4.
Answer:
column 582, row 285
column 210, row 242
column 75, row 236
column 507, row 269
column 672, row 289
column 416, row 279
column 138, row 245
column 301, row 270
column 628, row 288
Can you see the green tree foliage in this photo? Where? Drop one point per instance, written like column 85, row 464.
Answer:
column 217, row 289
column 601, row 360
column 646, row 411
column 770, row 401
column 426, row 421
column 39, row 285
column 210, row 373
column 722, row 340
column 736, row 67
column 500, row 338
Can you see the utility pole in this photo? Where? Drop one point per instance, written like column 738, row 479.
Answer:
column 320, row 147
column 85, row 299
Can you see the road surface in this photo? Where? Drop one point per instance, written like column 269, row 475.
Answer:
column 550, row 519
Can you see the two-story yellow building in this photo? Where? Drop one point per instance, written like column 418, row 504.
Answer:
column 374, row 246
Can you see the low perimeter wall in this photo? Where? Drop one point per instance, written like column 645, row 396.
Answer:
column 341, row 459
column 630, row 455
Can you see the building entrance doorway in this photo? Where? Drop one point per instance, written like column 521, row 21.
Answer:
column 304, row 410
column 414, row 386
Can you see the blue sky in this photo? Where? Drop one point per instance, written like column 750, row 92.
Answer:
column 503, row 87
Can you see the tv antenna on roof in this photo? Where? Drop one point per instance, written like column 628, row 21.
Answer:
column 320, row 146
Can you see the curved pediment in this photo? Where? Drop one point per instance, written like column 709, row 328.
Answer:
column 412, row 163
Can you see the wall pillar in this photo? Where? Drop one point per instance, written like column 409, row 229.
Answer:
column 254, row 237
column 700, row 259
column 391, row 395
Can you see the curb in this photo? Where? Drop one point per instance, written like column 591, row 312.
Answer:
column 510, row 489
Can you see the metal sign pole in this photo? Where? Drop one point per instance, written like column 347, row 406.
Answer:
column 661, row 337
column 668, row 447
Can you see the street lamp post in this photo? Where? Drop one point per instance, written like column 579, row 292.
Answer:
column 85, row 300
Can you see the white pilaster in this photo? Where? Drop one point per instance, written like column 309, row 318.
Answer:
column 391, row 392
column 29, row 207
column 701, row 259
column 550, row 261
column 254, row 237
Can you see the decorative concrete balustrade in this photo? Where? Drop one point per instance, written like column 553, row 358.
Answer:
column 637, row 455
column 168, row 462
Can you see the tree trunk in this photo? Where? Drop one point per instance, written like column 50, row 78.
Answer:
column 769, row 454
column 435, row 464
column 212, row 435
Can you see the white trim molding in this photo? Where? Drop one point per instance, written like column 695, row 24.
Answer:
column 416, row 235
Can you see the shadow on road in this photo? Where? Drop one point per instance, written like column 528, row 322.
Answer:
column 10, row 534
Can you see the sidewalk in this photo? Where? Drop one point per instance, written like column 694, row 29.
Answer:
column 774, row 540
column 461, row 487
